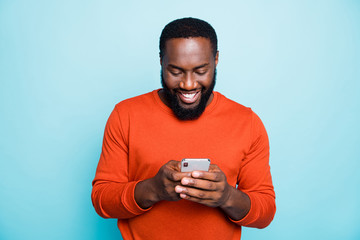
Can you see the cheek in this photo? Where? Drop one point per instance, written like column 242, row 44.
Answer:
column 171, row 81
column 207, row 80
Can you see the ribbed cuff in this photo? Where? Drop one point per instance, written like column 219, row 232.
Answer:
column 128, row 198
column 250, row 217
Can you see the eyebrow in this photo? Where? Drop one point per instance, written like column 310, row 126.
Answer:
column 195, row 68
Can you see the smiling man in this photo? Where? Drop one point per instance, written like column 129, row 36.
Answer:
column 139, row 180
column 188, row 75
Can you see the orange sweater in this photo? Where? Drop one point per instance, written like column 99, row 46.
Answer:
column 142, row 134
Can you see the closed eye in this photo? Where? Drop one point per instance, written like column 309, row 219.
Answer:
column 175, row 73
column 201, row 72
column 174, row 70
column 202, row 69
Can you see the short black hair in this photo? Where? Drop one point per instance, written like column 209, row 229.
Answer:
column 187, row 28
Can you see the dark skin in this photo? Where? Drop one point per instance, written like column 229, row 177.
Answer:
column 188, row 67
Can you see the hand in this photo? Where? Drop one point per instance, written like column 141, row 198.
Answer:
column 166, row 179
column 161, row 186
column 208, row 188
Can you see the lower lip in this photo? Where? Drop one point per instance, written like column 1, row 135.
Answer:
column 189, row 100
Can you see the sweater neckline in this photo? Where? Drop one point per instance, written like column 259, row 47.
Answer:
column 165, row 108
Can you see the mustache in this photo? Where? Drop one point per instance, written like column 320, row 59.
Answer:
column 183, row 113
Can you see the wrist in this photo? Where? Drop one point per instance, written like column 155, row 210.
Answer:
column 237, row 205
column 228, row 199
column 145, row 194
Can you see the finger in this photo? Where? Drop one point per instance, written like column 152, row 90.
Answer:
column 175, row 176
column 214, row 167
column 211, row 176
column 206, row 202
column 199, row 183
column 171, row 170
column 175, row 165
column 208, row 198
column 194, row 192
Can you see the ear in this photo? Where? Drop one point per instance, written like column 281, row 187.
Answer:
column 160, row 59
column 216, row 58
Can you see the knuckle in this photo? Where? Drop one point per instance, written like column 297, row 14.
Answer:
column 214, row 167
column 218, row 177
column 201, row 194
column 163, row 169
column 172, row 175
column 192, row 182
column 221, row 177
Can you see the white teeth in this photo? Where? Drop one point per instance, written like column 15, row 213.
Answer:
column 188, row 95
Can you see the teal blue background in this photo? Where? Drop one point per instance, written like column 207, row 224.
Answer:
column 65, row 64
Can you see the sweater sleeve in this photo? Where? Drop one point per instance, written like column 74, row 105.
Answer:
column 255, row 179
column 113, row 194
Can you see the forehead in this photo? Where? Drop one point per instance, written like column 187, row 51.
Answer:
column 188, row 50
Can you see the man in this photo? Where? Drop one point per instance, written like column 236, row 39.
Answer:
column 138, row 179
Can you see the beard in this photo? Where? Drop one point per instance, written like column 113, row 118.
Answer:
column 187, row 113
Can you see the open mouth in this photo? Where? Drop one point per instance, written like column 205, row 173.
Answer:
column 189, row 97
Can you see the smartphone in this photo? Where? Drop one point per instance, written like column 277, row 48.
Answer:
column 192, row 164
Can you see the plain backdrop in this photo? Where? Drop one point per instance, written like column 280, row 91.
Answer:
column 65, row 64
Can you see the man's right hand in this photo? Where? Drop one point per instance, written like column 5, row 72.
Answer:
column 161, row 186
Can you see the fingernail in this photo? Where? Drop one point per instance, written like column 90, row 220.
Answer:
column 196, row 174
column 178, row 189
column 183, row 195
column 185, row 181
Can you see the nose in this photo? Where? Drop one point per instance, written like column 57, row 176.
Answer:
column 188, row 82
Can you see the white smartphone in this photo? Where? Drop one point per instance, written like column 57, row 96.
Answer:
column 192, row 164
